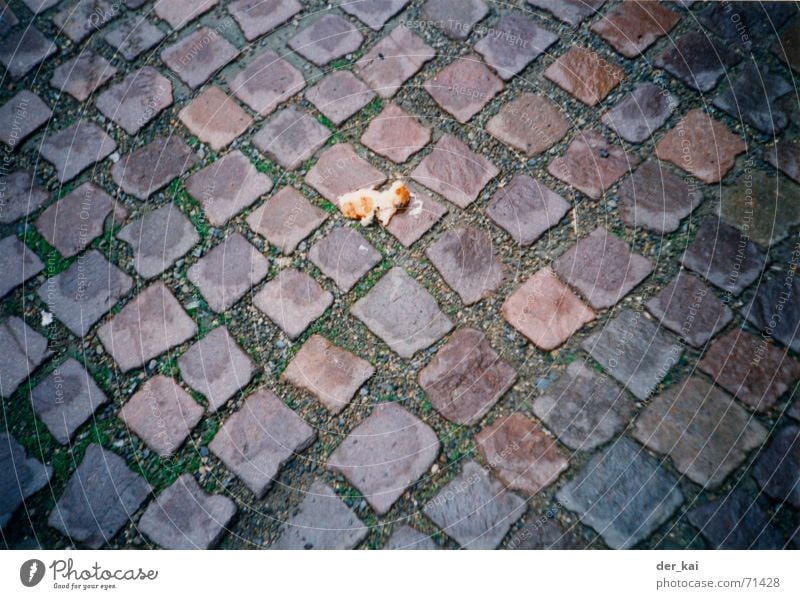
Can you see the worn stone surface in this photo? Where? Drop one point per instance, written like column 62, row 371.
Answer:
column 216, row 367
column 464, row 87
column 531, row 124
column 82, row 19
column 633, row 350
column 752, row 24
column 196, row 57
column 340, row 170
column 623, row 493
column 286, row 218
column 395, row 134
column 584, row 409
column 291, row 137
column 785, row 156
column 526, row 209
column 66, row 399
column 101, row 496
column 735, row 521
column 466, row 377
column 326, row 39
column 81, row 76
column 454, row 171
column 656, row 199
column 150, row 168
column 179, row 13
column 18, row 264
column 20, row 476
column 23, row 50
column 133, row 37
column 697, row 60
column 455, row 18
column 385, row 454
column 521, row 454
column 406, row 538
column 778, row 468
column 753, row 96
column 259, row 17
column 777, row 295
column 339, row 96
column 183, row 516
column 547, row 534
column 585, row 75
column 468, row 262
column 21, row 116
column 572, row 12
column 162, row 414
column 322, row 521
column 25, row 350
column 787, row 46
column 345, row 256
column 641, row 113
column 159, row 239
column 293, row 300
column 215, row 118
column 475, row 509
column 136, row 100
column 21, row 196
column 267, row 81
column 330, row 373
column 71, row 158
column 81, row 295
column 515, row 42
column 146, row 327
column 7, row 18
column 406, row 326
column 259, row 439
column 632, row 27
column 374, row 14
column 409, row 224
column 754, row 371
column 699, row 426
column 545, row 310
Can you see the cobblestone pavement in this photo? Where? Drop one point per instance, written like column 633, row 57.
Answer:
column 582, row 333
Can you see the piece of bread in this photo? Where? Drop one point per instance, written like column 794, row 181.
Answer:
column 365, row 204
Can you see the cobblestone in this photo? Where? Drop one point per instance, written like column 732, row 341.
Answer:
column 286, row 219
column 641, row 113
column 196, row 57
column 454, row 18
column 20, row 477
column 633, row 27
column 326, row 39
column 136, row 100
column 150, row 168
column 697, row 60
column 25, row 351
column 345, row 256
column 411, row 223
column 464, row 87
column 515, row 42
column 18, row 264
column 778, row 468
column 291, row 137
column 735, row 521
column 266, row 82
column 340, row 170
column 134, row 36
column 339, row 96
column 21, row 116
column 395, row 134
column 81, row 76
column 259, row 17
column 293, row 300
column 215, row 118
column 543, row 124
column 22, row 196
column 71, row 158
column 585, row 75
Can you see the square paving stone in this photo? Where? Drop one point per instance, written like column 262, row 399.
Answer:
column 330, row 373
column 522, row 455
column 7, row 18
column 216, row 367
column 185, row 517
column 291, row 137
column 266, row 82
column 633, row 350
column 215, row 118
column 778, row 468
column 374, row 14
column 39, row 6
column 776, row 311
column 402, row 313
column 736, row 521
column 385, row 454
column 454, row 171
column 21, row 116
column 585, row 75
column 340, row 170
column 81, row 76
column 464, row 87
column 538, row 535
column 226, row 187
column 591, row 164
column 602, row 267
column 23, row 50
column 530, row 124
column 326, row 39
column 286, row 219
column 690, row 309
column 293, row 300
column 179, row 13
column 159, row 239
column 85, row 292
column 622, row 493
column 526, row 209
column 18, row 264
column 572, row 12
column 632, row 27
column 697, row 60
column 66, row 399
column 752, row 23
column 641, row 113
column 20, row 476
column 409, row 224
column 133, row 37
column 513, row 43
column 25, row 351
column 259, row 439
column 322, row 521
column 475, row 509
column 74, row 149
column 101, row 497
column 196, row 57
column 466, row 377
column 751, row 369
column 455, row 18
column 724, row 256
column 700, row 427
column 407, row 538
column 339, row 96
column 228, row 271
column 162, row 414
column 345, row 256
column 656, row 199
column 147, row 326
column 150, row 168
column 584, row 409
column 467, row 260
column 259, row 17
column 136, row 100
column 81, row 19
column 395, row 134
column 787, row 46
column 393, row 61
column 21, row 196
column 77, row 219
column 753, row 96
column 545, row 310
